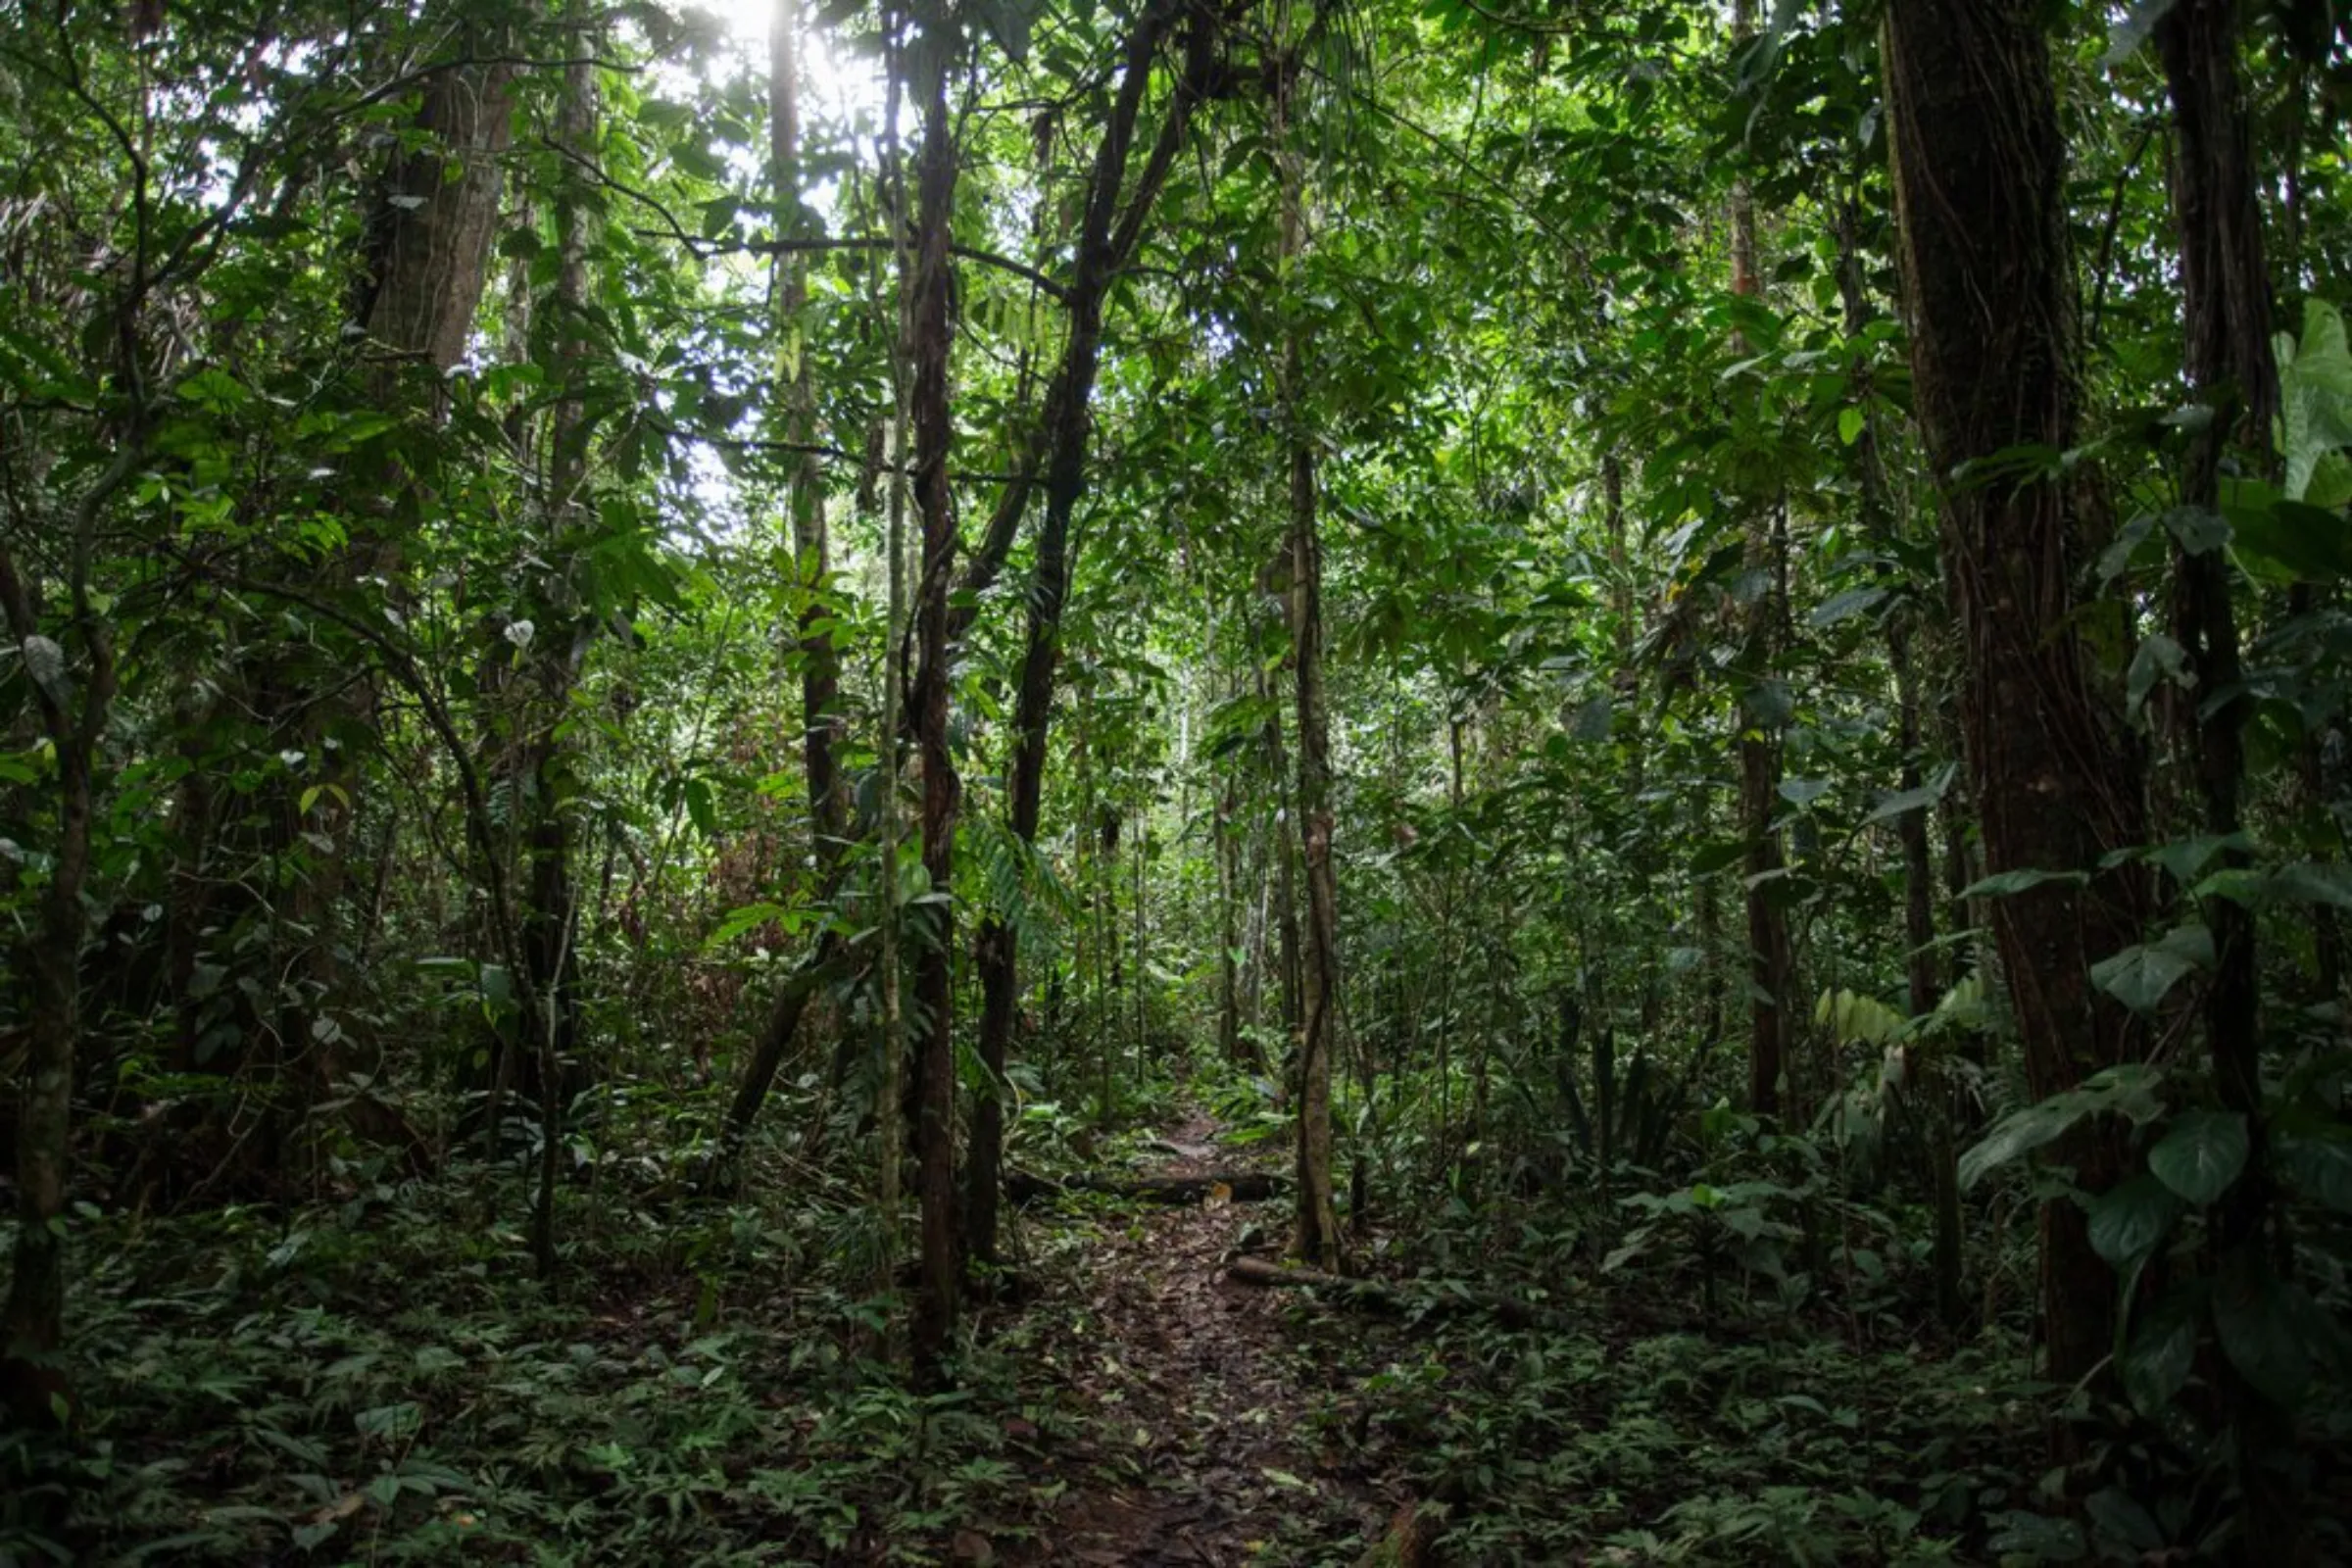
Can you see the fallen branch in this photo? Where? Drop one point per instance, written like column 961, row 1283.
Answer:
column 1236, row 1186
column 1378, row 1296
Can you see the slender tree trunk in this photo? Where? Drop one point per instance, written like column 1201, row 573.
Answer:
column 1229, row 932
column 34, row 1390
column 1978, row 172
column 821, row 663
column 1921, row 986
column 551, row 922
column 2227, row 308
column 1317, row 1233
column 1106, row 243
column 1772, row 961
column 1282, row 843
column 930, row 334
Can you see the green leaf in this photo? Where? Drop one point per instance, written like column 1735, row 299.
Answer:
column 1802, row 792
column 2320, row 1167
column 2158, row 657
column 2023, row 1131
column 2140, row 976
column 2037, row 1538
column 1591, row 722
column 1918, row 800
column 2315, row 386
column 2003, row 884
column 2120, row 1521
column 2199, row 532
column 2161, row 1348
column 2134, row 28
column 2129, row 1219
column 1845, row 605
column 2265, row 1327
column 1850, row 423
column 2202, row 1153
column 749, row 917
column 2184, row 858
column 1718, row 857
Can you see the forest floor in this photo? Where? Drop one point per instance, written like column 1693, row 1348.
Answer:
column 373, row 1376
column 1201, row 1402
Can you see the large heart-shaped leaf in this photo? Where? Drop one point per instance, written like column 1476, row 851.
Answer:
column 2140, row 976
column 2321, row 1168
column 2129, row 1220
column 2202, row 1153
column 2161, row 1348
column 2265, row 1327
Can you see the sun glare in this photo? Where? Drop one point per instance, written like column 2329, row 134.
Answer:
column 830, row 85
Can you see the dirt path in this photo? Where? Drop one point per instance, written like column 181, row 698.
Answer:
column 1199, row 1399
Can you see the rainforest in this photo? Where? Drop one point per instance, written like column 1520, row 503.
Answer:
column 1000, row 782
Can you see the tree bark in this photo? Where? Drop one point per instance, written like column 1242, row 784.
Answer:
column 1316, row 1236
column 550, row 921
column 929, row 337
column 1772, row 961
column 1978, row 172
column 34, row 1389
column 2225, row 297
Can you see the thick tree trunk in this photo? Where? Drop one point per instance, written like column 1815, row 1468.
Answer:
column 930, row 338
column 430, row 234
column 423, row 265
column 1978, row 172
column 2226, row 308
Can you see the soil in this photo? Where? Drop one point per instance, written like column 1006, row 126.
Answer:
column 1198, row 1440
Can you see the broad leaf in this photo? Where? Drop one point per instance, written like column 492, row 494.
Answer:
column 2001, row 884
column 2321, row 1168
column 2202, row 1154
column 2129, row 1219
column 2160, row 1348
column 2022, row 1132
column 1845, row 605
column 2265, row 1328
column 2140, row 976
column 1918, row 800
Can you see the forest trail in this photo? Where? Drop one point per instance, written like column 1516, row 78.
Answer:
column 1198, row 1446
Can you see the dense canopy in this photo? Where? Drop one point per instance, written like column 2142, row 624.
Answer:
column 747, row 754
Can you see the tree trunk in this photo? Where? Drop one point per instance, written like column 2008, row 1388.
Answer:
column 1978, row 172
column 821, row 663
column 929, row 333
column 1227, row 847
column 34, row 1390
column 1105, row 242
column 1921, row 986
column 425, row 250
column 551, row 920
column 1771, row 963
column 1317, row 1234
column 2227, row 318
